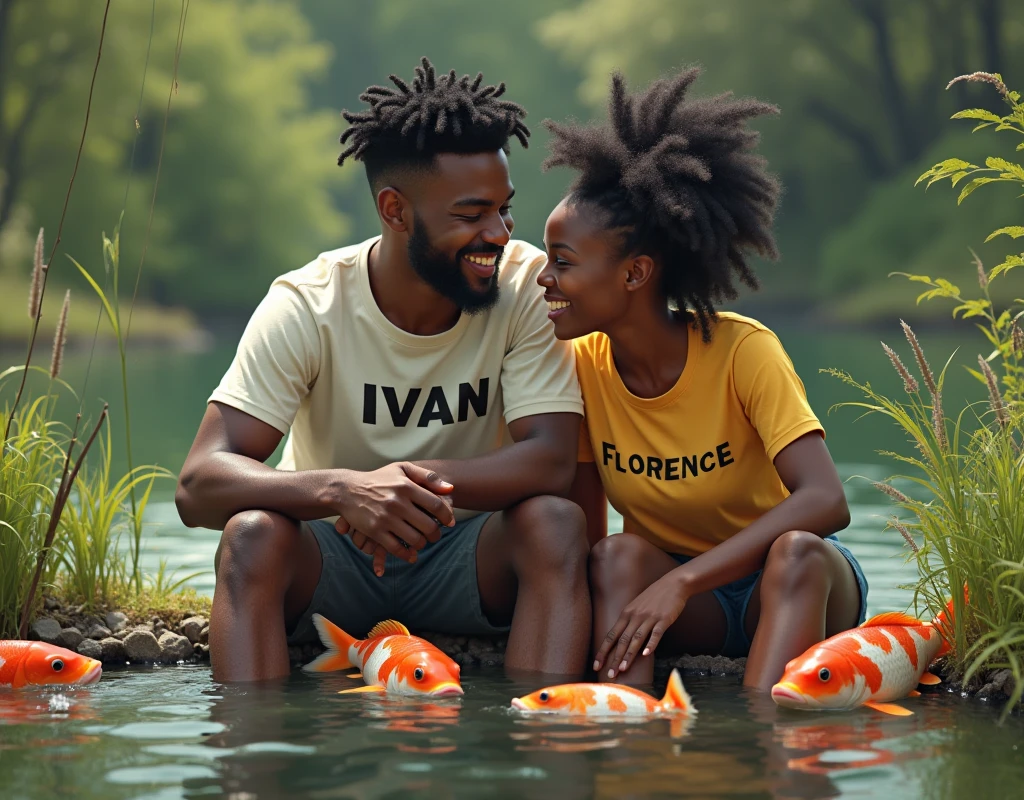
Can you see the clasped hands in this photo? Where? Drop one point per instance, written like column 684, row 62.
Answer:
column 396, row 509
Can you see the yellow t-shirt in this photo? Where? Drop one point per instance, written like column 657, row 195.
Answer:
column 693, row 467
column 320, row 362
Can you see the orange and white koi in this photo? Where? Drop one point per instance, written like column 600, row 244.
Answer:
column 882, row 660
column 607, row 700
column 390, row 659
column 39, row 664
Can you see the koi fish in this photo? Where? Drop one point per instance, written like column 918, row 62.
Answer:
column 608, row 700
column 40, row 664
column 390, row 659
column 882, row 660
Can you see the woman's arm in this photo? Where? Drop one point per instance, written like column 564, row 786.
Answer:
column 588, row 493
column 816, row 504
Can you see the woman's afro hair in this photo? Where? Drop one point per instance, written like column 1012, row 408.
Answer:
column 677, row 179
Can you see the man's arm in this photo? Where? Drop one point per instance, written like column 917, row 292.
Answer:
column 541, row 460
column 224, row 474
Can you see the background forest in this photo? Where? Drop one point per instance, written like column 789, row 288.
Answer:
column 249, row 187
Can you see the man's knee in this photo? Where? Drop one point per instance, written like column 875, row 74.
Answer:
column 548, row 533
column 613, row 561
column 796, row 560
column 255, row 544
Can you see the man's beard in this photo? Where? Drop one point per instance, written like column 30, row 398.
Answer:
column 445, row 276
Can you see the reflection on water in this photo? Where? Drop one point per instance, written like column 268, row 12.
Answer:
column 171, row 733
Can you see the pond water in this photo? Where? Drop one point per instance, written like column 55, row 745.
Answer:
column 172, row 732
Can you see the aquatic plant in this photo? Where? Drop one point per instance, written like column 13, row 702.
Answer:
column 966, row 535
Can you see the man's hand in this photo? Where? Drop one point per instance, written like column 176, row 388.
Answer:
column 644, row 620
column 396, row 509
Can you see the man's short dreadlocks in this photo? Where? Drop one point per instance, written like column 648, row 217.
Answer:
column 407, row 127
column 677, row 181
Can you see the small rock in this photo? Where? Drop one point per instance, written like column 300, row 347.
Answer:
column 70, row 638
column 91, row 648
column 141, row 646
column 204, row 635
column 45, row 630
column 51, row 604
column 113, row 651
column 174, row 647
column 192, row 628
column 97, row 632
column 116, row 621
column 122, row 635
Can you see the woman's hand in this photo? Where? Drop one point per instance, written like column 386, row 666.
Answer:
column 644, row 620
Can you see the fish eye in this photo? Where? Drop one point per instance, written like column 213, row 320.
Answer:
column 418, row 674
column 824, row 674
column 57, row 665
column 543, row 696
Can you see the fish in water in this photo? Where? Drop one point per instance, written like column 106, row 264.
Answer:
column 40, row 664
column 608, row 700
column 390, row 659
column 882, row 660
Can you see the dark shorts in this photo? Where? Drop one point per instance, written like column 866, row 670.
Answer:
column 438, row 593
column 734, row 598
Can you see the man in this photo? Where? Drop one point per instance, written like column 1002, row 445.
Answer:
column 432, row 415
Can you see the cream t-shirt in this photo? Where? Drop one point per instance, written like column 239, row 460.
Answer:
column 320, row 362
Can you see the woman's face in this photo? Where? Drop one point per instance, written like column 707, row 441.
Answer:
column 586, row 283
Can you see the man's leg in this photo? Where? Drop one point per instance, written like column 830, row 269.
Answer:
column 267, row 569
column 531, row 566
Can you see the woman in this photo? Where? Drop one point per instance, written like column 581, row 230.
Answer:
column 697, row 427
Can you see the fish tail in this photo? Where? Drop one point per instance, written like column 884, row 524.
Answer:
column 676, row 697
column 337, row 643
column 944, row 622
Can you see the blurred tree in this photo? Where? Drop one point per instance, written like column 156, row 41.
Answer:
column 244, row 192
column 860, row 84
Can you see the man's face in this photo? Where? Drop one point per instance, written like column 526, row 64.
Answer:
column 462, row 222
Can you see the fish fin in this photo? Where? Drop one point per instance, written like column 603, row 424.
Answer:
column 388, row 627
column 362, row 690
column 678, row 726
column 355, row 675
column 891, row 708
column 676, row 696
column 928, row 679
column 891, row 618
column 914, row 693
column 944, row 623
column 337, row 643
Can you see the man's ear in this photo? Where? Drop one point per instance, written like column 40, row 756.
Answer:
column 394, row 209
column 638, row 272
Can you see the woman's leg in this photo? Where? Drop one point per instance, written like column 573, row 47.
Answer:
column 621, row 567
column 806, row 593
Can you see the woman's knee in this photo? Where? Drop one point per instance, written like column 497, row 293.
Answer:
column 549, row 533
column 797, row 560
column 614, row 562
column 255, row 545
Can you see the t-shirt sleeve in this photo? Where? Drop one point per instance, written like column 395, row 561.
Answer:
column 538, row 373
column 277, row 361
column 771, row 392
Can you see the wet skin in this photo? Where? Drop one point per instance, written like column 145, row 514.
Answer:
column 641, row 595
column 532, row 554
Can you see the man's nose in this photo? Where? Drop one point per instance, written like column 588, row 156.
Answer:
column 498, row 233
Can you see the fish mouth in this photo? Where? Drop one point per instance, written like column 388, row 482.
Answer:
column 519, row 705
column 92, row 675
column 787, row 694
column 447, row 690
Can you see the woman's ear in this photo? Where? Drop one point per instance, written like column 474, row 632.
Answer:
column 392, row 206
column 638, row 272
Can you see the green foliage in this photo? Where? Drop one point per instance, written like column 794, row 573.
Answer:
column 969, row 474
column 30, row 468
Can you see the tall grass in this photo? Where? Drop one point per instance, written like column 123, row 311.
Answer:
column 968, row 508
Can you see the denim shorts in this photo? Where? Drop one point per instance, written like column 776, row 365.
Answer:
column 438, row 593
column 735, row 597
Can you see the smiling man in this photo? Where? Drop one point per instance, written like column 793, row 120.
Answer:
column 432, row 417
